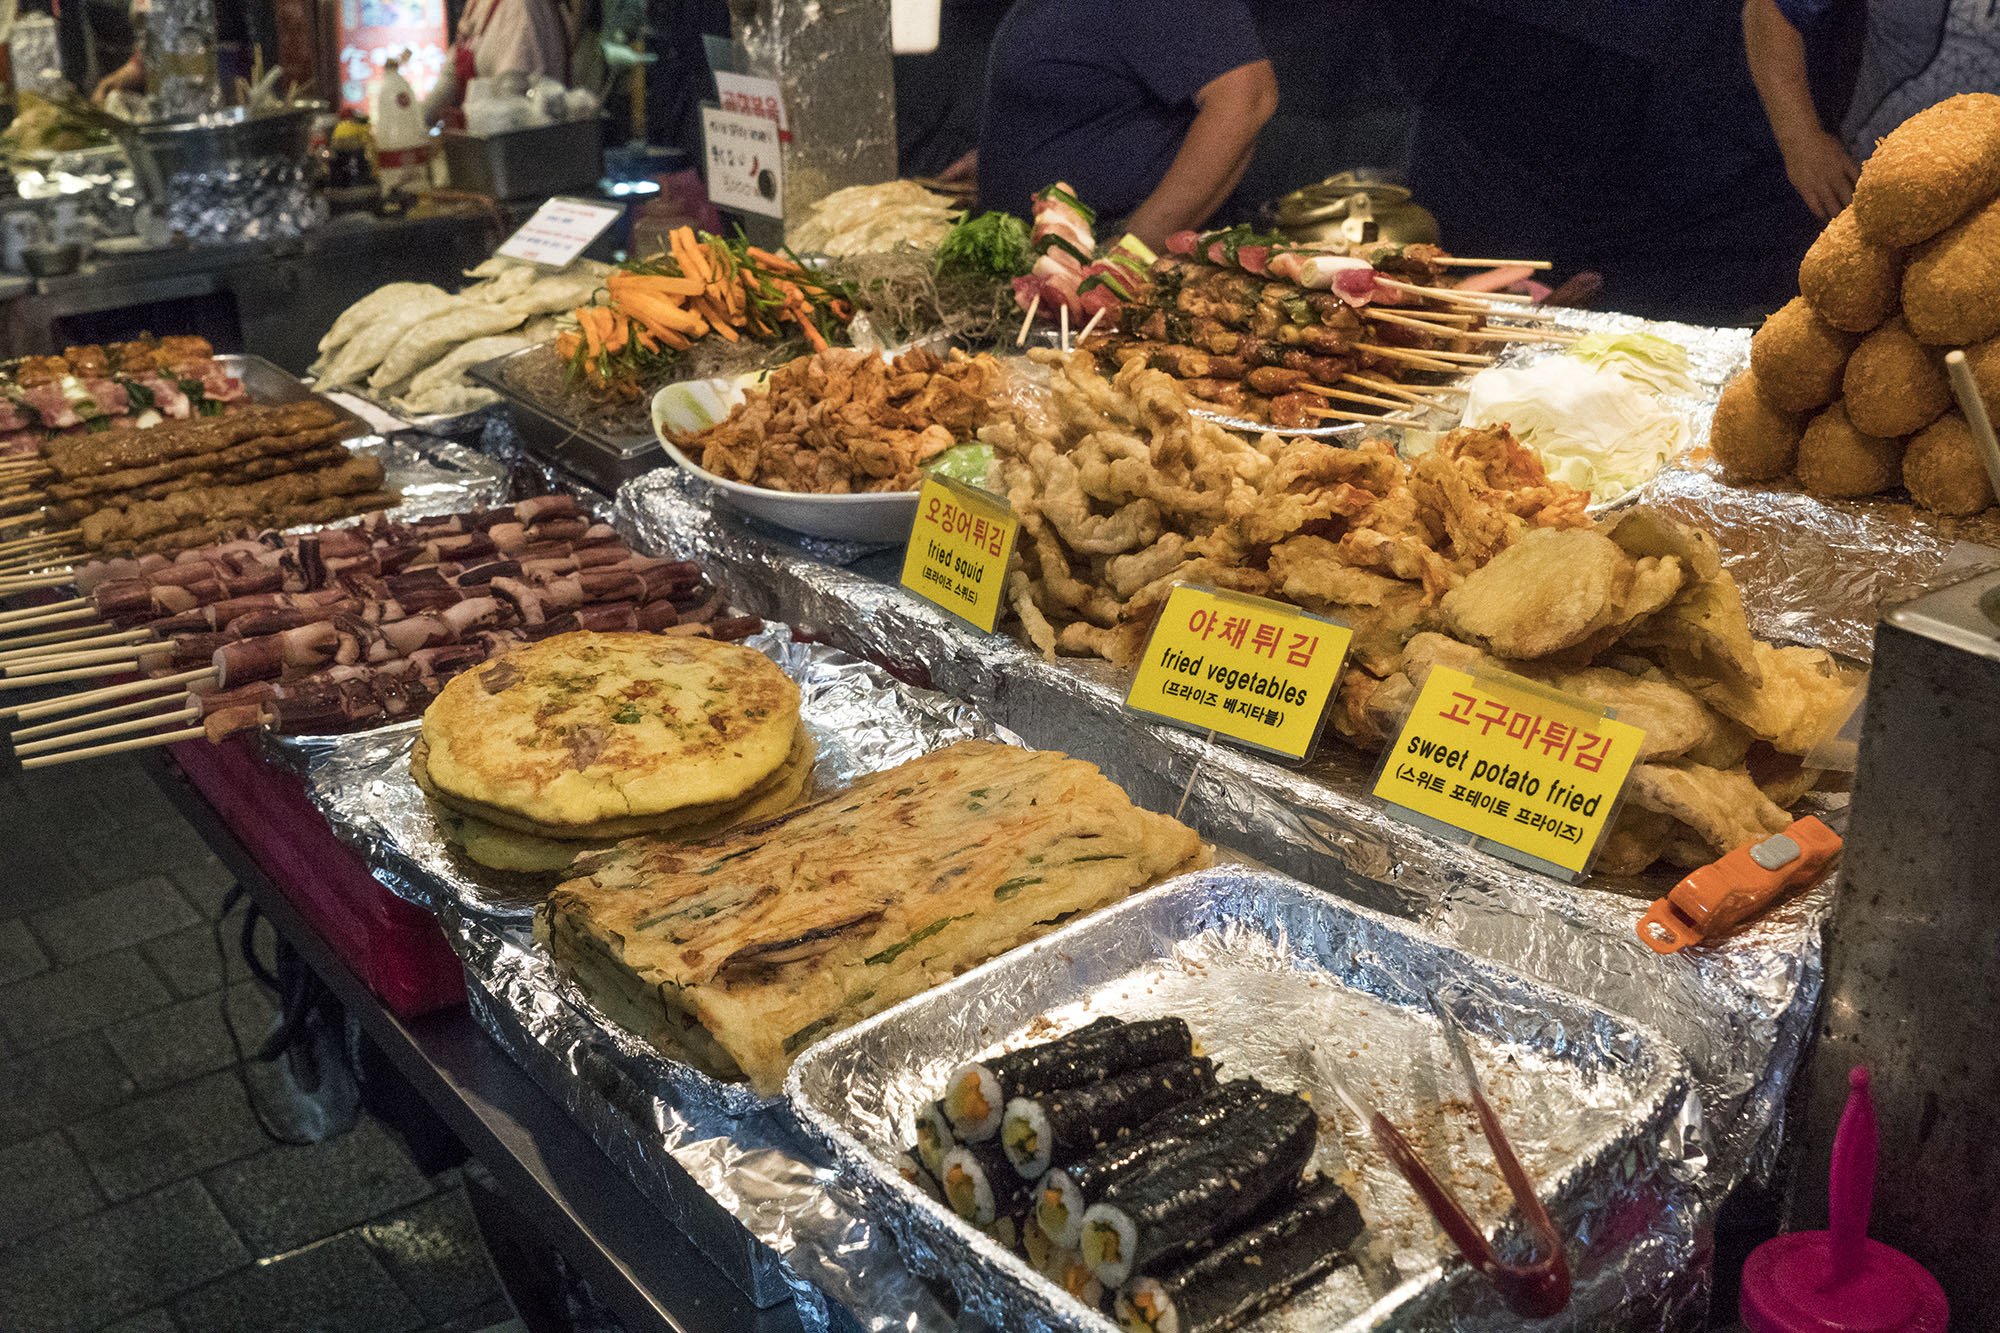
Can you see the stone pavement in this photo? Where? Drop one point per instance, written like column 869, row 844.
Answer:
column 137, row 1190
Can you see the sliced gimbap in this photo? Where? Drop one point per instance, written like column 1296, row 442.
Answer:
column 977, row 1093
column 1065, row 1124
column 981, row 1185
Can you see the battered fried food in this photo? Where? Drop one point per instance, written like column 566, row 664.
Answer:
column 844, row 421
column 1943, row 469
column 1838, row 461
column 1723, row 806
column 1121, row 494
column 738, row 953
column 1803, row 697
column 1951, row 291
column 1983, row 360
column 1752, row 440
column 1931, row 170
column 1851, row 283
column 1798, row 357
column 1554, row 591
column 1894, row 385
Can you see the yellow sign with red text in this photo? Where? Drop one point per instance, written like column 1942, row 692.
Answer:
column 1254, row 670
column 1506, row 761
column 959, row 545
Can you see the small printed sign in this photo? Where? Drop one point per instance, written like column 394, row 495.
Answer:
column 1532, row 772
column 560, row 230
column 745, row 95
column 959, row 548
column 1257, row 671
column 745, row 167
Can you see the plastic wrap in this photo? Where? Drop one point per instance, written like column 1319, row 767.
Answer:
column 1740, row 1010
column 1279, row 982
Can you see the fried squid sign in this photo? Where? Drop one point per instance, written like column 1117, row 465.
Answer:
column 1257, row 671
column 959, row 548
column 1525, row 772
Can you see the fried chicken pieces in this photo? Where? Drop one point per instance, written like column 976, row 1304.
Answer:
column 844, row 421
column 1646, row 599
column 1122, row 494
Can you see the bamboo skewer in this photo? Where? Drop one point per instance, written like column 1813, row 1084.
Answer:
column 34, row 612
column 1418, row 318
column 1966, row 389
column 96, row 671
column 1062, row 318
column 1459, row 261
column 1518, row 335
column 1428, row 394
column 1454, row 361
column 1349, row 395
column 30, row 582
column 65, row 725
column 114, row 747
column 22, row 520
column 54, row 618
column 1089, row 325
column 38, row 564
column 129, row 653
column 1425, row 360
column 40, row 539
column 1335, row 414
column 69, row 703
column 1453, row 293
column 63, row 742
column 67, row 640
column 1028, row 320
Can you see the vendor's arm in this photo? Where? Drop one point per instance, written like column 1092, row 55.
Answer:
column 128, row 77
column 1816, row 162
column 1232, row 108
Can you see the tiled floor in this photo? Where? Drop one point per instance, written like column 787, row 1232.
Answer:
column 137, row 1191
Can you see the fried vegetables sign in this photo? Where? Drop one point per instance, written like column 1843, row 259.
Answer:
column 1532, row 774
column 1254, row 670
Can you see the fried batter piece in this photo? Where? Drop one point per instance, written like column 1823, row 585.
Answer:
column 1724, row 807
column 844, row 421
column 1122, row 494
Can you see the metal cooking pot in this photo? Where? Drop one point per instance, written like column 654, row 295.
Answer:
column 1349, row 207
column 216, row 141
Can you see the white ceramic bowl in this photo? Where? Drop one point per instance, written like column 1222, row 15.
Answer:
column 884, row 518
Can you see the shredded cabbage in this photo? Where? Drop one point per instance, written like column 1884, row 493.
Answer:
column 1660, row 364
column 1594, row 428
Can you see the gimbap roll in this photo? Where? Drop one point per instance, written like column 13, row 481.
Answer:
column 1064, row 1125
column 976, row 1095
column 1250, row 1272
column 1178, row 1205
column 1066, row 1191
column 981, row 1185
column 934, row 1137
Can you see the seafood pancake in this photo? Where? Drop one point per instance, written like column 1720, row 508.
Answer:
column 740, row 952
column 581, row 729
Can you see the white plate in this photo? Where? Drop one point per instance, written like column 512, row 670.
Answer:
column 884, row 517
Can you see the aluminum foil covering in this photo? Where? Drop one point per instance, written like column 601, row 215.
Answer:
column 764, row 1191
column 1281, row 983
column 1740, row 1010
column 257, row 200
column 435, row 476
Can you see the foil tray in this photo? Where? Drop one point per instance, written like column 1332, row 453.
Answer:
column 1263, row 969
column 1740, row 1010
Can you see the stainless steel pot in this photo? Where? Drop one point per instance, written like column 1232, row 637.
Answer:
column 216, row 141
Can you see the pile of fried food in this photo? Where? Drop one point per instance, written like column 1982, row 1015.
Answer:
column 409, row 344
column 1846, row 387
column 564, row 745
column 737, row 953
column 1467, row 553
column 843, row 421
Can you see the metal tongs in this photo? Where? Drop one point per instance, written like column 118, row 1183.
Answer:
column 1537, row 1289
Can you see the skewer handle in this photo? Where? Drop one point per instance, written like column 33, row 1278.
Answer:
column 1974, row 406
column 70, row 724
column 64, row 741
column 69, row 703
column 114, row 747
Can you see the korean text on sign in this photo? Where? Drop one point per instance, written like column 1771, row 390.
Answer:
column 1537, row 773
column 959, row 544
column 1256, row 671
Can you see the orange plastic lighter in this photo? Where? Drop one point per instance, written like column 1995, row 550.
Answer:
column 1727, row 892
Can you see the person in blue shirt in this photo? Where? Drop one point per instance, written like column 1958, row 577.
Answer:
column 1915, row 53
column 1149, row 109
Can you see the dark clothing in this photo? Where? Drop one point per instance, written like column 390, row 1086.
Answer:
column 1100, row 93
column 941, row 95
column 1623, row 138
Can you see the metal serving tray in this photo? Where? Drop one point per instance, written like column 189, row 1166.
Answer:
column 602, row 460
column 1262, row 967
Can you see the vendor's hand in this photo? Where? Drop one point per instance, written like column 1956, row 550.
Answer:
column 962, row 172
column 1819, row 167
